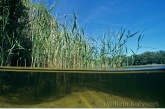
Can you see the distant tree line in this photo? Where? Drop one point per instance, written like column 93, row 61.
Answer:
column 145, row 58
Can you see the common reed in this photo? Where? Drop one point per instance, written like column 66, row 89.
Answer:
column 55, row 42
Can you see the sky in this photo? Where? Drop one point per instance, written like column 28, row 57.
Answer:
column 96, row 16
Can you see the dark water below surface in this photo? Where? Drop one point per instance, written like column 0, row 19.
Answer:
column 32, row 88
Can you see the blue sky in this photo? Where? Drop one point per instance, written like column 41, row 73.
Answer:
column 95, row 16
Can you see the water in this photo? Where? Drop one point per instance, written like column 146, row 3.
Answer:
column 41, row 87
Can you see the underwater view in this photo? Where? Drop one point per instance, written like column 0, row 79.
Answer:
column 68, row 88
column 81, row 60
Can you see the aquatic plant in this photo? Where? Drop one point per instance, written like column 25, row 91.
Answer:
column 49, row 41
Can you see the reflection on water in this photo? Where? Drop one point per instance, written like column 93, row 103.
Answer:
column 138, row 88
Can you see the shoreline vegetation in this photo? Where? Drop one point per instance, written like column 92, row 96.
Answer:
column 32, row 36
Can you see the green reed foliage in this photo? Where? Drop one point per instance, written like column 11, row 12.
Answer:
column 113, row 48
column 63, row 43
column 57, row 44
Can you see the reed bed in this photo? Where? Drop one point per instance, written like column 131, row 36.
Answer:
column 48, row 41
column 51, row 42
